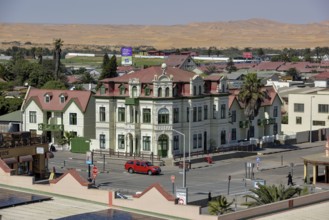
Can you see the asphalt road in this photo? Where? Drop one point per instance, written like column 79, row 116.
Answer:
column 206, row 178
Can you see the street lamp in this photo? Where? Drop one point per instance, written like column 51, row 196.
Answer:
column 189, row 131
column 184, row 165
column 311, row 119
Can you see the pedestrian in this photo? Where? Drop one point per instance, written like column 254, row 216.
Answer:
column 290, row 179
column 209, row 196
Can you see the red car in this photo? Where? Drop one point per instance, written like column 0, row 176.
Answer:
column 140, row 166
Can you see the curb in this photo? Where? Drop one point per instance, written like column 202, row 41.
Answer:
column 285, row 150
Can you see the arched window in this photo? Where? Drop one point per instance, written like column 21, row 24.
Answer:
column 163, row 116
column 200, row 91
column 160, row 92
column 167, row 92
column 134, row 91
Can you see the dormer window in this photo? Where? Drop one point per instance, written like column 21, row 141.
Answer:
column 102, row 90
column 62, row 98
column 48, row 97
column 122, row 90
column 167, row 92
column 147, row 91
column 134, row 91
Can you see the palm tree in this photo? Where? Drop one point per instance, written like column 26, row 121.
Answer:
column 58, row 43
column 251, row 96
column 219, row 206
column 268, row 194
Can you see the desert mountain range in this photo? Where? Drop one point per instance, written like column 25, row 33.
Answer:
column 245, row 33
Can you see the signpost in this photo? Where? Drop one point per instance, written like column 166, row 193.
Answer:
column 257, row 162
column 172, row 178
column 89, row 161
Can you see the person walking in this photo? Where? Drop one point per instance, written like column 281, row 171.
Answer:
column 290, row 179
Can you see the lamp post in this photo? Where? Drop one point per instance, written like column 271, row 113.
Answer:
column 311, row 119
column 189, row 132
column 184, row 165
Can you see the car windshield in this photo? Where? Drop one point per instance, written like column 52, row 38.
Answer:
column 149, row 164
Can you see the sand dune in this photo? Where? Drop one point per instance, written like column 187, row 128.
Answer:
column 241, row 34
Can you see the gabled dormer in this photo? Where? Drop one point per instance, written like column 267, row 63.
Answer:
column 63, row 97
column 48, row 96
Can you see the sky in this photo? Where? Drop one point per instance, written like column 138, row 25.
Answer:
column 160, row 12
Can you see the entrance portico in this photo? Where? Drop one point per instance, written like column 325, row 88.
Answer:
column 316, row 160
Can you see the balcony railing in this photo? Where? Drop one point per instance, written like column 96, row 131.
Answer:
column 265, row 121
column 131, row 101
column 50, row 127
column 244, row 124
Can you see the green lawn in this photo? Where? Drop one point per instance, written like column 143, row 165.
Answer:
column 97, row 61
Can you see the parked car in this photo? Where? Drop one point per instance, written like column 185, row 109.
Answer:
column 140, row 166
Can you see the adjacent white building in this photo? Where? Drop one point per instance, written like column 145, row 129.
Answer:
column 307, row 112
column 51, row 112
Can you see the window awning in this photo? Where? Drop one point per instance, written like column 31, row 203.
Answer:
column 49, row 154
column 10, row 160
column 26, row 158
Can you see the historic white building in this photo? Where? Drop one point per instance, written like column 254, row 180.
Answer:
column 51, row 112
column 154, row 109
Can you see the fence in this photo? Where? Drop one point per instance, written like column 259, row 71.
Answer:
column 128, row 155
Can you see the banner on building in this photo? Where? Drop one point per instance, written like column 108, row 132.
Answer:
column 126, row 56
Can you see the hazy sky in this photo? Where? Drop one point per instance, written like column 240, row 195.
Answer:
column 165, row 12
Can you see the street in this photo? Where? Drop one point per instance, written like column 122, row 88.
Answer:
column 201, row 179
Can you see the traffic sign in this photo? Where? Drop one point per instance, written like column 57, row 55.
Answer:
column 172, row 178
column 95, row 172
column 257, row 160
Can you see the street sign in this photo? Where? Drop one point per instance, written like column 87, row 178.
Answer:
column 257, row 160
column 172, row 178
column 95, row 172
column 89, row 157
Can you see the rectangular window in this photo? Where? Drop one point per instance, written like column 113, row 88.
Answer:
column 319, row 123
column 199, row 140
column 299, row 120
column 298, row 107
column 33, row 117
column 102, row 114
column 146, row 115
column 233, row 135
column 73, row 118
column 62, row 98
column 252, row 131
column 275, row 129
column 205, row 112
column 146, row 143
column 121, row 141
column 195, row 141
column 176, row 142
column 275, row 111
column 176, row 115
column 323, row 108
column 223, row 111
column 47, row 98
column 214, row 111
column 188, row 114
column 199, row 113
column 223, row 137
column 102, row 141
column 234, row 116
column 195, row 113
column 121, row 114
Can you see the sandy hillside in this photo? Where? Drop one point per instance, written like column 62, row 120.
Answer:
column 247, row 33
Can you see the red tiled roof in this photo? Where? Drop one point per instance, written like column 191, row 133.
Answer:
column 268, row 66
column 161, row 190
column 147, row 75
column 176, row 60
column 81, row 98
column 267, row 101
column 214, row 77
column 73, row 79
column 320, row 76
column 74, row 174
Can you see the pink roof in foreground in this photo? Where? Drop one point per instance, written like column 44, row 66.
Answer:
column 161, row 190
column 322, row 76
column 147, row 75
column 81, row 98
